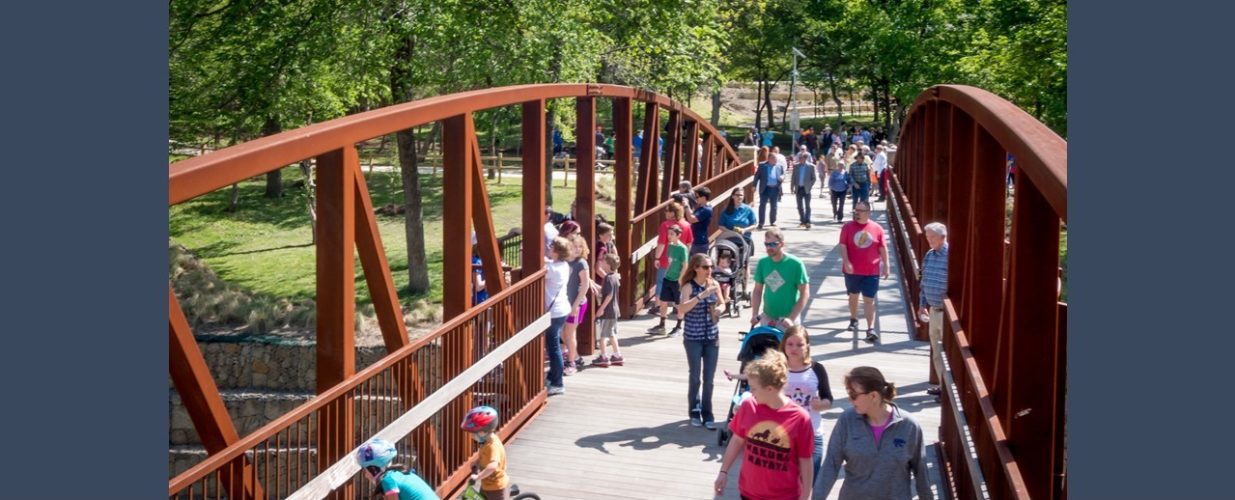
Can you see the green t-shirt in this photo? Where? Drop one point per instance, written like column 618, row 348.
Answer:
column 677, row 258
column 780, row 284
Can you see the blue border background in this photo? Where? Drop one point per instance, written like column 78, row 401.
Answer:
column 1150, row 340
column 83, row 361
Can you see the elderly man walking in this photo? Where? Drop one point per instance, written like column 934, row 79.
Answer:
column 934, row 287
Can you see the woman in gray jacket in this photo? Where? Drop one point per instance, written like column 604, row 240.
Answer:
column 879, row 445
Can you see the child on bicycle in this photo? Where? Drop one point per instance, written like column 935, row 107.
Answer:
column 394, row 482
column 481, row 422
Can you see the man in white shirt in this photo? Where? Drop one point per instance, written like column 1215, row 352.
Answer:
column 881, row 163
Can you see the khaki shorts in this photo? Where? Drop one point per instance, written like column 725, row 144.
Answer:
column 606, row 328
column 936, row 326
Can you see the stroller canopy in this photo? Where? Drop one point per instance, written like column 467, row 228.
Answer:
column 757, row 341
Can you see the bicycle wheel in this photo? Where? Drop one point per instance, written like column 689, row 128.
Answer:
column 527, row 496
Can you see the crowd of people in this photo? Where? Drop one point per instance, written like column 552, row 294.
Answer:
column 777, row 431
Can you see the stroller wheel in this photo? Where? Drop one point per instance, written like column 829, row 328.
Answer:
column 722, row 437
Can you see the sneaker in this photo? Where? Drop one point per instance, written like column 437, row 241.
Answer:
column 675, row 332
column 694, row 421
column 554, row 391
column 570, row 370
column 709, row 425
column 934, row 391
column 601, row 361
column 616, row 360
column 808, row 226
column 853, row 325
column 580, row 364
column 658, row 329
column 871, row 336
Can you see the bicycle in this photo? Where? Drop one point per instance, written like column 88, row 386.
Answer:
column 471, row 492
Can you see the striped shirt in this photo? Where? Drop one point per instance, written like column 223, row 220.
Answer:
column 699, row 324
column 934, row 277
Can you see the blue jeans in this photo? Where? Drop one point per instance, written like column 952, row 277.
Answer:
column 771, row 195
column 701, row 354
column 816, row 458
column 553, row 346
column 861, row 192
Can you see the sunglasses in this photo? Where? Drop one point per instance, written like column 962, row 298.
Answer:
column 854, row 395
column 861, row 211
column 771, row 244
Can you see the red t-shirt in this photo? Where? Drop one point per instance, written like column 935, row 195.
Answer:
column 775, row 441
column 663, row 239
column 862, row 243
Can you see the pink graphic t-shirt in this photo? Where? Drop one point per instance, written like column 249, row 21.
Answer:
column 776, row 439
column 862, row 243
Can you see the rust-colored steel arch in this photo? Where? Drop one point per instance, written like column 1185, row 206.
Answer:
column 1005, row 334
column 196, row 176
column 348, row 404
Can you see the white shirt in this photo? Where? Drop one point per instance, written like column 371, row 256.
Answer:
column 881, row 162
column 780, row 160
column 555, row 289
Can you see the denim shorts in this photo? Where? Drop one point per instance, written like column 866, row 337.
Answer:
column 868, row 285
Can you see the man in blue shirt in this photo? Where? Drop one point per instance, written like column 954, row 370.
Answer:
column 767, row 181
column 700, row 220
column 637, row 143
column 766, row 137
column 934, row 282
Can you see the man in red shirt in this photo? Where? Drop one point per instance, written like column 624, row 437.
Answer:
column 864, row 259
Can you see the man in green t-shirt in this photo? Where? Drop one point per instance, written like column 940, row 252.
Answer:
column 780, row 285
column 677, row 253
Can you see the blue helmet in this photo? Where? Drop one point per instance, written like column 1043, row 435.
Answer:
column 376, row 453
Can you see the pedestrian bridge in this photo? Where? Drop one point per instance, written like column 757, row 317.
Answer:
column 998, row 432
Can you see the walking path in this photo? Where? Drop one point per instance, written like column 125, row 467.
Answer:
column 623, row 432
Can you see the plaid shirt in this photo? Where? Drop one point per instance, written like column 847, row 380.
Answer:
column 934, row 277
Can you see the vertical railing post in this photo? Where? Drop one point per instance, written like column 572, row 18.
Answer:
column 985, row 261
column 692, row 152
column 336, row 297
column 457, row 348
column 673, row 150
column 960, row 179
column 1029, row 404
column 651, row 196
column 622, row 182
column 533, row 186
column 585, row 209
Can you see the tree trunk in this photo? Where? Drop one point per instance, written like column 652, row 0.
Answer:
column 235, row 201
column 306, row 168
column 274, row 179
column 493, row 141
column 402, row 90
column 758, row 103
column 716, row 107
column 840, row 110
column 767, row 101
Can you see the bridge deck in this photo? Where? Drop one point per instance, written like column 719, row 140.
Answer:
column 623, row 432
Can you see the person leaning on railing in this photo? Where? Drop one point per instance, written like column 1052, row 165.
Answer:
column 934, row 286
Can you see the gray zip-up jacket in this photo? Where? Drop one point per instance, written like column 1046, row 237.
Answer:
column 874, row 471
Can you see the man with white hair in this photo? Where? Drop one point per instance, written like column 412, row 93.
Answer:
column 934, row 280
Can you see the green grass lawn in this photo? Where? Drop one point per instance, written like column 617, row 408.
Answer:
column 265, row 246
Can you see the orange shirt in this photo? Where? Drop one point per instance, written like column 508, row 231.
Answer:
column 490, row 451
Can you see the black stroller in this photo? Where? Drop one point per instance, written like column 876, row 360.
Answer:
column 754, row 344
column 731, row 245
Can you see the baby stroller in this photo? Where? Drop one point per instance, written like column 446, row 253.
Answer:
column 754, row 344
column 733, row 246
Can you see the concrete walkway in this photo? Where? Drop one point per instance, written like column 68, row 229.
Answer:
column 623, row 432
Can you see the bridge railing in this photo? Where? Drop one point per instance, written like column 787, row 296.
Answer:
column 1005, row 336
column 414, row 397
column 426, row 384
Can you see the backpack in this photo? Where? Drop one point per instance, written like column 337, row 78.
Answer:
column 860, row 173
